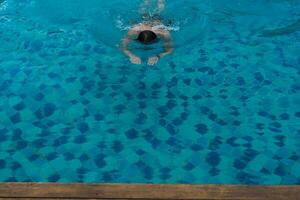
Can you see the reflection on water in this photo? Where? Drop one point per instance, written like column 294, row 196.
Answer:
column 2, row 5
column 282, row 31
column 108, row 21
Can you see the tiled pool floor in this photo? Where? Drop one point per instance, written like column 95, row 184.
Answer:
column 225, row 109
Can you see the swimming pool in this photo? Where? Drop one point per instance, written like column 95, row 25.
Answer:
column 223, row 108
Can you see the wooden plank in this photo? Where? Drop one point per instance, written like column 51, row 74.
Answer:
column 49, row 199
column 42, row 198
column 65, row 199
column 133, row 191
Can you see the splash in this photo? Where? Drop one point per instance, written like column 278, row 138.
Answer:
column 124, row 27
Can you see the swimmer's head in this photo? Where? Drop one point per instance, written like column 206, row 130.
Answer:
column 147, row 37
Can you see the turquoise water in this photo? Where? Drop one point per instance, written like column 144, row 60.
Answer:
column 223, row 108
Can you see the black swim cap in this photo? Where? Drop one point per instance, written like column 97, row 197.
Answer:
column 147, row 37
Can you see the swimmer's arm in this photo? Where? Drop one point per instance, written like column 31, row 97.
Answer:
column 168, row 45
column 125, row 42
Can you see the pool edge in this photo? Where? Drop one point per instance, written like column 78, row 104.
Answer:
column 147, row 191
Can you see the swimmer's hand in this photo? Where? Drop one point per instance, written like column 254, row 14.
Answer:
column 153, row 60
column 135, row 60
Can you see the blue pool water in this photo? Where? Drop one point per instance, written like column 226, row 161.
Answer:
column 223, row 108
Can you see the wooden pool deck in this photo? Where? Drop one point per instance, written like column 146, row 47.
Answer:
column 50, row 191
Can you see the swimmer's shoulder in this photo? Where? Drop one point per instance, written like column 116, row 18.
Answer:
column 141, row 27
column 132, row 33
column 136, row 29
column 162, row 33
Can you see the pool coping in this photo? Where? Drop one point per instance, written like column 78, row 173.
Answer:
column 147, row 191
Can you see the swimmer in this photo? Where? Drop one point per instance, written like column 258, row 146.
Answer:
column 149, row 32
